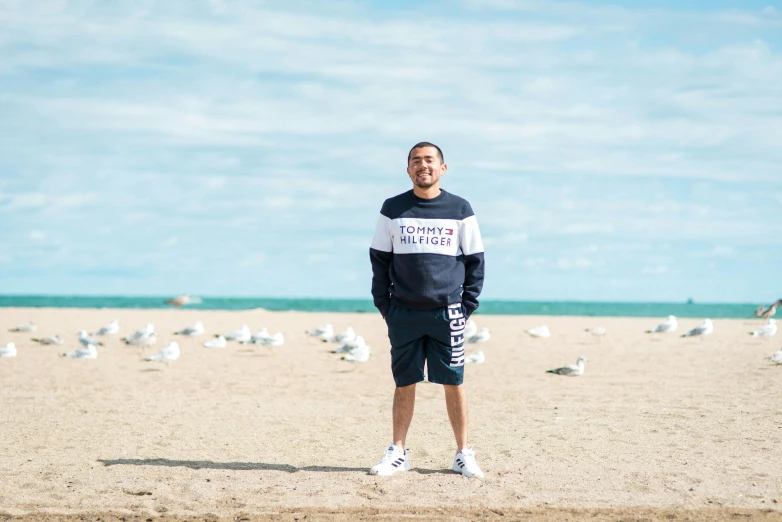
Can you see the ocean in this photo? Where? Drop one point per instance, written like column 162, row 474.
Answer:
column 488, row 307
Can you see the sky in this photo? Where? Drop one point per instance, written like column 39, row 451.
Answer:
column 612, row 151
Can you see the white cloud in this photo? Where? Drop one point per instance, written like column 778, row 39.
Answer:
column 579, row 263
column 37, row 235
column 569, row 126
column 654, row 270
column 724, row 251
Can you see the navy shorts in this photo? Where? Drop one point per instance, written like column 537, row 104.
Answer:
column 435, row 336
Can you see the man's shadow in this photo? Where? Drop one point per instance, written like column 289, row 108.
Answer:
column 242, row 466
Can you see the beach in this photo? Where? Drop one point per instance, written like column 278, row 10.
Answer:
column 658, row 426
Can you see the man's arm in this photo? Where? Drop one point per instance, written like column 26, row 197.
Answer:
column 381, row 254
column 474, row 263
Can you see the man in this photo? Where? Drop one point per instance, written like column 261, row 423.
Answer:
column 427, row 273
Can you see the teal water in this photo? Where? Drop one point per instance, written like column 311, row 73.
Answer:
column 488, row 307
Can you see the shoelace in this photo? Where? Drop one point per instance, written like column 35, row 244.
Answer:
column 469, row 458
column 390, row 455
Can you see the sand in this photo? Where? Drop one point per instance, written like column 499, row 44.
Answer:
column 658, row 427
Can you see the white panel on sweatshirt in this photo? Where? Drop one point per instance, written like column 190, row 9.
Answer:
column 382, row 239
column 425, row 236
column 471, row 241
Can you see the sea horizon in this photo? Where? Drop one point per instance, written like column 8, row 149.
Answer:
column 355, row 305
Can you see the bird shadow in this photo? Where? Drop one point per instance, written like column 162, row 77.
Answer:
column 152, row 370
column 244, row 466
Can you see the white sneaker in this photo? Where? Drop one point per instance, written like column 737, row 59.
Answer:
column 464, row 463
column 394, row 460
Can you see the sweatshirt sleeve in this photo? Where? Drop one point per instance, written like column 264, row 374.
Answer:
column 474, row 263
column 381, row 255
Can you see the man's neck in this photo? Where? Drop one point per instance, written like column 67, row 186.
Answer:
column 427, row 193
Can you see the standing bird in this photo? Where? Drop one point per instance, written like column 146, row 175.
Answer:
column 349, row 346
column 241, row 335
column 85, row 339
column 111, row 328
column 196, row 329
column 571, row 370
column 9, row 350
column 148, row 330
column 765, row 313
column 477, row 358
column 470, row 329
column 86, row 352
column 539, row 331
column 25, row 327
column 217, row 342
column 167, row 354
column 54, row 339
column 767, row 330
column 597, row 330
column 358, row 355
column 776, row 357
column 272, row 340
column 481, row 336
column 348, row 335
column 179, row 301
column 322, row 332
column 699, row 331
column 669, row 325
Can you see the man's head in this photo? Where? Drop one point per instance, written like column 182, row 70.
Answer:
column 425, row 165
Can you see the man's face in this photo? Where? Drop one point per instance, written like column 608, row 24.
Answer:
column 425, row 167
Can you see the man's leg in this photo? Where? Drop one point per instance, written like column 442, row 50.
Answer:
column 456, row 403
column 404, row 403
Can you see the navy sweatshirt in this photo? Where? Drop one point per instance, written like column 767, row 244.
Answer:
column 426, row 254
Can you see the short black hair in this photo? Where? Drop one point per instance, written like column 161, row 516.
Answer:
column 425, row 144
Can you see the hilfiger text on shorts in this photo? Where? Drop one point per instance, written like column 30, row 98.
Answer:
column 457, row 325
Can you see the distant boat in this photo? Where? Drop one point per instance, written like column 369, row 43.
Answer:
column 690, row 301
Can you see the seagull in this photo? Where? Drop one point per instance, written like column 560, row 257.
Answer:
column 669, row 325
column 25, row 327
column 196, row 329
column 482, row 336
column 85, row 340
column 323, row 332
column 349, row 346
column 241, row 335
column 108, row 329
column 54, row 339
column 768, row 329
column 470, row 329
column 360, row 354
column 597, row 330
column 765, row 313
column 476, row 357
column 705, row 329
column 167, row 354
column 217, row 342
column 9, row 350
column 347, row 335
column 571, row 370
column 87, row 352
column 540, row 331
column 258, row 336
column 181, row 300
column 138, row 334
column 272, row 340
column 776, row 357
